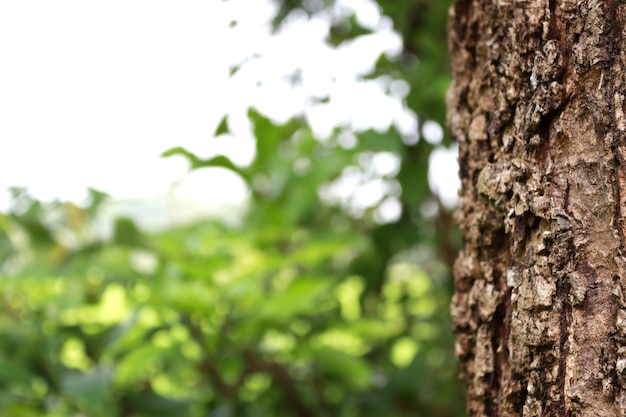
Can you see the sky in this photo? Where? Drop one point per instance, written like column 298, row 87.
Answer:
column 91, row 93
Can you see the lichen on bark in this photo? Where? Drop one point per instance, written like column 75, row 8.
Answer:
column 537, row 106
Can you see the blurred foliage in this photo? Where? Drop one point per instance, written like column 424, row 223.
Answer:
column 310, row 308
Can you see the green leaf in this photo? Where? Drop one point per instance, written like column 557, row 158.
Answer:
column 385, row 141
column 138, row 364
column 353, row 370
column 320, row 249
column 31, row 221
column 346, row 30
column 153, row 405
column 14, row 373
column 92, row 392
column 191, row 297
column 233, row 70
column 96, row 198
column 222, row 128
column 126, row 232
column 219, row 161
column 269, row 137
column 301, row 296
column 6, row 246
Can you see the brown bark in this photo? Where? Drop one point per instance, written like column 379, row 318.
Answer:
column 537, row 106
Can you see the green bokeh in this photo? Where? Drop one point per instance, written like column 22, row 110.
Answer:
column 303, row 310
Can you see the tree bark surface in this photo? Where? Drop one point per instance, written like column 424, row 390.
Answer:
column 537, row 107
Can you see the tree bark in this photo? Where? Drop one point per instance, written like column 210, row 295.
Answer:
column 537, row 106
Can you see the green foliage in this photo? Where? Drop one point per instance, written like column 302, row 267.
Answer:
column 311, row 307
column 265, row 321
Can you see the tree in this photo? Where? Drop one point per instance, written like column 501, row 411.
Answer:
column 305, row 308
column 537, row 106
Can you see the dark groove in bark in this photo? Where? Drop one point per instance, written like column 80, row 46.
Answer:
column 555, row 32
column 566, row 199
column 462, row 11
column 560, row 34
column 501, row 351
column 566, row 320
column 618, row 165
column 618, row 139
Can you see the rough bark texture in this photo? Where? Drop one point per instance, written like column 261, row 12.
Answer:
column 537, row 106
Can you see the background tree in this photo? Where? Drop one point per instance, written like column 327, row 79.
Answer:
column 308, row 308
column 537, row 108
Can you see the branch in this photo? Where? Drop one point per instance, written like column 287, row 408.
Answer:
column 207, row 365
column 279, row 374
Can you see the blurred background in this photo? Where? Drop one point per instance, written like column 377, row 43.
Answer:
column 226, row 208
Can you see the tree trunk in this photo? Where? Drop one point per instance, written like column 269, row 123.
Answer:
column 537, row 106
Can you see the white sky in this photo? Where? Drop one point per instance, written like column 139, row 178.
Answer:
column 91, row 93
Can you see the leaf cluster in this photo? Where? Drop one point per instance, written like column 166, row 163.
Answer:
column 206, row 319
